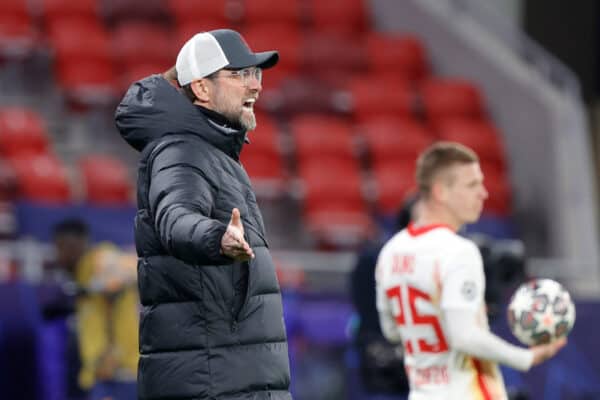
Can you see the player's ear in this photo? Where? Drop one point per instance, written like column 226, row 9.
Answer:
column 201, row 89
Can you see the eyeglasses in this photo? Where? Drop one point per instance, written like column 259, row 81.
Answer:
column 246, row 74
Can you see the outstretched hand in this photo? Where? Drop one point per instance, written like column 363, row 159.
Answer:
column 233, row 243
column 543, row 352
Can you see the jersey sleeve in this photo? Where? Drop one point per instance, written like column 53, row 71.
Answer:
column 463, row 282
column 387, row 320
column 467, row 336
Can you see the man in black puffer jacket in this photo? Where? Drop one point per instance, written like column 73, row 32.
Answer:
column 212, row 320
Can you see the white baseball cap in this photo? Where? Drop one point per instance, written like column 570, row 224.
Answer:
column 208, row 52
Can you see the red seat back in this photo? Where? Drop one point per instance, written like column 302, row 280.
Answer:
column 77, row 38
column 331, row 182
column 22, row 131
column 143, row 42
column 395, row 139
column 348, row 17
column 268, row 11
column 373, row 97
column 105, row 179
column 287, row 40
column 395, row 181
column 186, row 11
column 322, row 136
column 445, row 98
column 67, row 8
column 18, row 35
column 400, row 56
column 41, row 178
column 88, row 82
column 481, row 136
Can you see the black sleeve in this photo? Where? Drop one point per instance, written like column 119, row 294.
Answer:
column 181, row 199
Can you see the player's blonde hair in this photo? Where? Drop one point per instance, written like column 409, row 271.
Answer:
column 437, row 158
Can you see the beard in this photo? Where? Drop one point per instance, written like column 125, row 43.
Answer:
column 239, row 117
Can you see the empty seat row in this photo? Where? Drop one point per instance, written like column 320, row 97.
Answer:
column 19, row 23
column 35, row 173
column 136, row 48
column 103, row 180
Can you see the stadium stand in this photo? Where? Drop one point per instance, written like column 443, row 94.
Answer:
column 343, row 93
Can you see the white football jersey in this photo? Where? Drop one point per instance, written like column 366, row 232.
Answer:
column 421, row 272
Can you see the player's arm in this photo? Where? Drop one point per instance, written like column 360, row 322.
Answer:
column 467, row 336
column 386, row 318
column 462, row 299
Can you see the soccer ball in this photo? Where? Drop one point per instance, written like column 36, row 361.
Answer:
column 540, row 311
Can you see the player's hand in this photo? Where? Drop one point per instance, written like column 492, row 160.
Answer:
column 543, row 352
column 171, row 75
column 233, row 243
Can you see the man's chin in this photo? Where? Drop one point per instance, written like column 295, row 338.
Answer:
column 248, row 122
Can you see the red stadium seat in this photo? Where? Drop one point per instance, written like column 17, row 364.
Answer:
column 321, row 136
column 395, row 181
column 395, row 139
column 14, row 7
column 186, row 11
column 334, row 208
column 445, row 98
column 348, row 17
column 136, row 72
column 22, row 131
column 266, row 172
column 266, row 136
column 400, row 56
column 337, row 227
column 18, row 35
column 117, row 11
column 262, row 159
column 106, row 180
column 141, row 43
column 331, row 180
column 185, row 30
column 83, row 60
column 263, row 167
column 381, row 97
column 41, row 178
column 88, row 83
column 79, row 38
column 287, row 40
column 481, row 136
column 333, row 57
column 52, row 9
column 268, row 11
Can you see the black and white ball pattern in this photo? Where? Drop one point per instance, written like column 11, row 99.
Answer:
column 541, row 311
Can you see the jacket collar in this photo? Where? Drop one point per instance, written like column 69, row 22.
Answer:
column 228, row 139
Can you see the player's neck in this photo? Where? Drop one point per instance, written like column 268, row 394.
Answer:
column 431, row 216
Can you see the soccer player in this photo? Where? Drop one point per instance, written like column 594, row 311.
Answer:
column 430, row 288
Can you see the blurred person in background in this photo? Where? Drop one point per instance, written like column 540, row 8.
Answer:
column 99, row 284
column 212, row 320
column 430, row 288
column 380, row 362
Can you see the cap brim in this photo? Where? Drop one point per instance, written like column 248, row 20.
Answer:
column 264, row 59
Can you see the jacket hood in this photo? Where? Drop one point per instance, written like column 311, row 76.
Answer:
column 153, row 108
